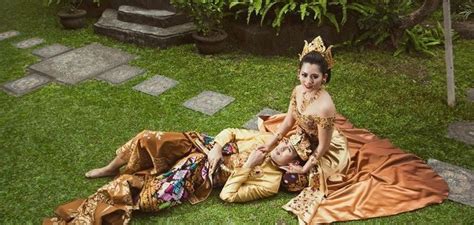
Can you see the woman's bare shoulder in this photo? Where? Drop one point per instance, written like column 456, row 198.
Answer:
column 325, row 106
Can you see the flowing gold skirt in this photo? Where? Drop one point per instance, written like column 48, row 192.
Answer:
column 379, row 180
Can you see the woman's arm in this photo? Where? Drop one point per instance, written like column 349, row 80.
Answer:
column 325, row 130
column 324, row 137
column 284, row 127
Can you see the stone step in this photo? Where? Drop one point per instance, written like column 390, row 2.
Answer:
column 152, row 17
column 146, row 4
column 141, row 34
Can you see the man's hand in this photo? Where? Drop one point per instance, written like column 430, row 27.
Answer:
column 255, row 158
column 214, row 157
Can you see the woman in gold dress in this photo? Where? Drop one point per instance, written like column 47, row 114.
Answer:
column 348, row 171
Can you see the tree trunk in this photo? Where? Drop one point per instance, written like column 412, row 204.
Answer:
column 412, row 19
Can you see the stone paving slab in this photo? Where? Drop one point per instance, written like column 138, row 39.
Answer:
column 462, row 131
column 470, row 94
column 51, row 50
column 460, row 181
column 8, row 34
column 253, row 123
column 120, row 74
column 82, row 63
column 25, row 84
column 29, row 43
column 208, row 102
column 156, row 85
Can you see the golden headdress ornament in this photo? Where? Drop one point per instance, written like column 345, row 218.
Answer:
column 301, row 145
column 318, row 45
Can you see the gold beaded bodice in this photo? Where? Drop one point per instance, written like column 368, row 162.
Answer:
column 309, row 123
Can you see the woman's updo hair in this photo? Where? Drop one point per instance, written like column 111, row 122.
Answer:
column 315, row 57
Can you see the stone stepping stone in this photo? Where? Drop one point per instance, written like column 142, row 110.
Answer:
column 253, row 123
column 82, row 63
column 460, row 181
column 208, row 102
column 470, row 94
column 25, row 84
column 120, row 74
column 51, row 50
column 8, row 34
column 156, row 85
column 29, row 43
column 462, row 131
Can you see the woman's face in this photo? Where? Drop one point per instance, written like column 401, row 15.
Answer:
column 283, row 155
column 310, row 76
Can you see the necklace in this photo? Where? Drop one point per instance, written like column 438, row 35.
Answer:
column 308, row 100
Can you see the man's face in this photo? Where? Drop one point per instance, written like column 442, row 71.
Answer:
column 283, row 154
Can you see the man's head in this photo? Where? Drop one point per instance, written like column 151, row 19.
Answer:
column 284, row 154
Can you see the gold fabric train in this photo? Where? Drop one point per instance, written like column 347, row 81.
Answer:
column 382, row 179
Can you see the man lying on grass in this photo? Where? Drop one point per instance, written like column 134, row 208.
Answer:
column 163, row 169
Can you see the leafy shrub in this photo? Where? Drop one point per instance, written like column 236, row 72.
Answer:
column 421, row 38
column 206, row 14
column 464, row 10
column 71, row 5
column 318, row 10
column 378, row 18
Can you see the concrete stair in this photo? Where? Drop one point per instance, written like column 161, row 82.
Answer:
column 146, row 4
column 151, row 17
column 153, row 27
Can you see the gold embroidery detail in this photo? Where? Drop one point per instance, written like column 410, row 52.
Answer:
column 309, row 122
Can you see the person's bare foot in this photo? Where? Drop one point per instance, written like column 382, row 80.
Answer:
column 101, row 172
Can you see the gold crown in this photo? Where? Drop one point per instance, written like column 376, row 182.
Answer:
column 301, row 145
column 318, row 45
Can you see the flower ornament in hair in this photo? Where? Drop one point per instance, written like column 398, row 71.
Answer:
column 318, row 45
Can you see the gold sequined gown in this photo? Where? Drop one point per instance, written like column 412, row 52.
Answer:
column 361, row 176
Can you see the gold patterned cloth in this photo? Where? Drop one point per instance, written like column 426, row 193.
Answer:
column 380, row 180
column 166, row 168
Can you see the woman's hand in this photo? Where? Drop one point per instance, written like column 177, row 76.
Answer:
column 255, row 158
column 214, row 157
column 293, row 168
column 264, row 148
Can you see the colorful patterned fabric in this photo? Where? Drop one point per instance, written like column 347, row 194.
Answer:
column 227, row 149
column 176, row 185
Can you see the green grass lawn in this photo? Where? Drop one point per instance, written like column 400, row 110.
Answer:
column 49, row 138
